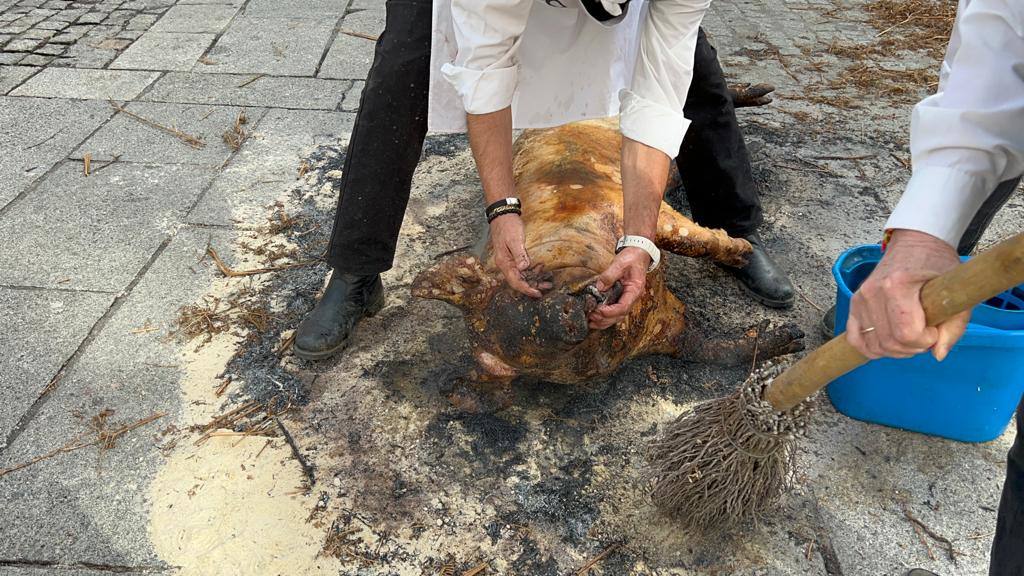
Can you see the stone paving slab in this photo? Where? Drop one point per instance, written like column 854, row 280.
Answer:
column 42, row 329
column 36, row 133
column 11, row 76
column 367, row 5
column 297, row 8
column 77, row 35
column 202, row 2
column 249, row 90
column 164, row 51
column 275, row 46
column 101, row 229
column 134, row 141
column 267, row 165
column 65, row 570
column 142, row 22
column 85, row 84
column 350, row 57
column 147, row 5
column 90, row 507
column 91, row 53
column 365, row 21
column 196, row 18
column 353, row 97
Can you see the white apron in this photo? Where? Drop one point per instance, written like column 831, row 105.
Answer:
column 571, row 67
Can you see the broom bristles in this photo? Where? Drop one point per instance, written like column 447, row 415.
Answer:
column 729, row 460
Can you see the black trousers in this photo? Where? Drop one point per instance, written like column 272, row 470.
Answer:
column 713, row 162
column 1008, row 543
column 386, row 142
column 391, row 123
column 985, row 214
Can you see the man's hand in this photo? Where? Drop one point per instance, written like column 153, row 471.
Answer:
column 507, row 241
column 630, row 268
column 490, row 137
column 886, row 317
column 644, row 173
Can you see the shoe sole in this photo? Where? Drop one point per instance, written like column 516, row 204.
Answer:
column 325, row 354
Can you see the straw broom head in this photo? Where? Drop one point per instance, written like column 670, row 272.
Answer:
column 729, row 459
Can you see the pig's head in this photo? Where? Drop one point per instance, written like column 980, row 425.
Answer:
column 515, row 327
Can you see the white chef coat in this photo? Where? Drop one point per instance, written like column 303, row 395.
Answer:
column 969, row 136
column 554, row 64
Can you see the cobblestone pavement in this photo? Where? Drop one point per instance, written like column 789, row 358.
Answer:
column 93, row 269
column 136, row 134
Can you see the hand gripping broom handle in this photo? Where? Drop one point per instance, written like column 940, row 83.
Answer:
column 996, row 270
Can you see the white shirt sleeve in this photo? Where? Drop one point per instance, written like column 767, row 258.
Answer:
column 969, row 136
column 652, row 108
column 485, row 70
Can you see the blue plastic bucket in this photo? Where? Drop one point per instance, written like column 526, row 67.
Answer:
column 970, row 396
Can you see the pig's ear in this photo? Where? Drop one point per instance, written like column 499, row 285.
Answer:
column 459, row 279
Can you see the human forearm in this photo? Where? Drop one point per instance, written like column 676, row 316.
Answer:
column 644, row 173
column 490, row 137
column 969, row 136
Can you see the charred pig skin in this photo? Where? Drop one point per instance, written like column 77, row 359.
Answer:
column 570, row 186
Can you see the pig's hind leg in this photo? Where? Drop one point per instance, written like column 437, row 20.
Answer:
column 757, row 343
column 680, row 235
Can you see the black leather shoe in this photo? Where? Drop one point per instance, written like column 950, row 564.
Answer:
column 328, row 328
column 763, row 278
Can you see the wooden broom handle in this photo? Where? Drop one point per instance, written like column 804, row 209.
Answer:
column 996, row 270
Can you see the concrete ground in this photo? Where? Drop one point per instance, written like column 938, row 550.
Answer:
column 359, row 465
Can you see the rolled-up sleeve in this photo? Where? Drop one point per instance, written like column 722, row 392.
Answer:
column 969, row 136
column 652, row 108
column 485, row 69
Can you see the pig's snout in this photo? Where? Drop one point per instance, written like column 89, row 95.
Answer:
column 521, row 324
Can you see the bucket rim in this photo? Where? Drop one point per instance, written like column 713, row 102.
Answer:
column 844, row 256
column 976, row 334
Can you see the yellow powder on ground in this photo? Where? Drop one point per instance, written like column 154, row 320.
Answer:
column 232, row 505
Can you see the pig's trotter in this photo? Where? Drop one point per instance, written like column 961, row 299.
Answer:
column 594, row 297
column 744, row 95
column 760, row 342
